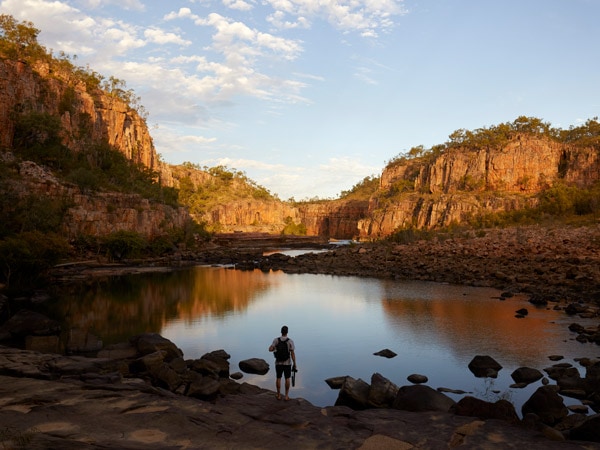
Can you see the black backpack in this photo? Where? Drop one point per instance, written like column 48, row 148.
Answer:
column 282, row 351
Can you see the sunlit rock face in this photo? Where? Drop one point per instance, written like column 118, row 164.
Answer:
column 462, row 182
column 449, row 188
column 95, row 114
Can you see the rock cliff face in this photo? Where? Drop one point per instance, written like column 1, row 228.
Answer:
column 525, row 165
column 86, row 117
column 462, row 182
column 252, row 215
column 100, row 213
column 335, row 219
column 446, row 189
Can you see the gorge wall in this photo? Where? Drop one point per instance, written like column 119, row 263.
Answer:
column 462, row 182
column 87, row 118
column 439, row 191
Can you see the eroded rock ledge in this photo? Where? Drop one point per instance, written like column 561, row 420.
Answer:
column 49, row 401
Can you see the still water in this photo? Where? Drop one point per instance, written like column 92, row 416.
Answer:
column 337, row 323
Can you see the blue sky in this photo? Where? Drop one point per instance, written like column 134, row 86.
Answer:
column 308, row 97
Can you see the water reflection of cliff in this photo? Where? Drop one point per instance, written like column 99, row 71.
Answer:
column 118, row 308
column 465, row 323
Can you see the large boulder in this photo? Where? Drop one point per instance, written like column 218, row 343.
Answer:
column 220, row 359
column 526, row 375
column 474, row 407
column 566, row 376
column 386, row 353
column 546, row 404
column 382, row 392
column 416, row 378
column 354, row 394
column 483, row 366
column 152, row 342
column 588, row 430
column 422, row 398
column 254, row 365
column 592, row 378
column 25, row 323
column 148, row 363
column 336, row 382
column 204, row 388
column 205, row 367
column 165, row 377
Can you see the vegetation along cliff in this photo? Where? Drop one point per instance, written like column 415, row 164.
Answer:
column 519, row 171
column 79, row 173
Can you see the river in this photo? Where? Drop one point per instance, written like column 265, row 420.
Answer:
column 337, row 324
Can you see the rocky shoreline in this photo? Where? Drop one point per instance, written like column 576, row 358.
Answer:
column 142, row 394
column 561, row 263
column 556, row 267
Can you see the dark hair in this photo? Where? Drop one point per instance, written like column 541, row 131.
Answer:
column 284, row 330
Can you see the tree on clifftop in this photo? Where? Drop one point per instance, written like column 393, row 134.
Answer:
column 18, row 40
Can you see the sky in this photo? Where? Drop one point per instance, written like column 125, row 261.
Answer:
column 309, row 97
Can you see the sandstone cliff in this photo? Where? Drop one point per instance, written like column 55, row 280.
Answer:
column 86, row 118
column 462, row 182
column 435, row 191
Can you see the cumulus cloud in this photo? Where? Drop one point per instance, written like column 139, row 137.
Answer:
column 240, row 5
column 363, row 16
column 235, row 71
column 159, row 36
column 134, row 5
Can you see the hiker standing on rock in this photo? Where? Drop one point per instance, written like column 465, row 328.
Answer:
column 283, row 347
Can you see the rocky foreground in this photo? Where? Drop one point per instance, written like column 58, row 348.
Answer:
column 143, row 395
column 152, row 398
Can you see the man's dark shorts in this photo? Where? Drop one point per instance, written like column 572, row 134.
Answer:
column 283, row 369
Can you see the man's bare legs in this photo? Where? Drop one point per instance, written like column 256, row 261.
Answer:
column 287, row 388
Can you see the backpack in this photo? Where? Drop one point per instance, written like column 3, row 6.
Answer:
column 282, row 351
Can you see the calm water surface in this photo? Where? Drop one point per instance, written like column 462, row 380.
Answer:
column 337, row 324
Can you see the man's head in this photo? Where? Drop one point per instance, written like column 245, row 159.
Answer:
column 284, row 330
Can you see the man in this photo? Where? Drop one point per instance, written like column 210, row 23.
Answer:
column 283, row 360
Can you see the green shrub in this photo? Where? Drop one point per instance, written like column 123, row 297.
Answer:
column 44, row 214
column 124, row 244
column 294, row 229
column 25, row 256
column 161, row 245
column 410, row 234
column 86, row 179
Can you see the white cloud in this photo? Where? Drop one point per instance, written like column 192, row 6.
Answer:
column 364, row 16
column 159, row 36
column 134, row 5
column 240, row 5
column 181, row 14
column 241, row 49
column 278, row 20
